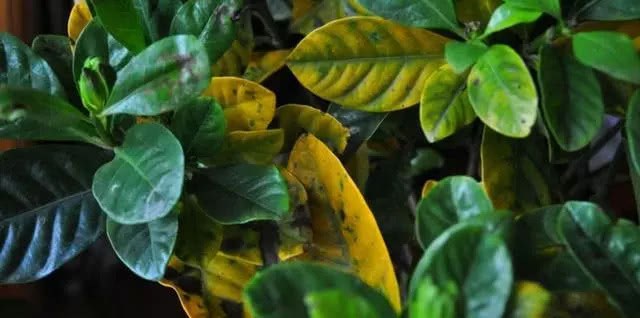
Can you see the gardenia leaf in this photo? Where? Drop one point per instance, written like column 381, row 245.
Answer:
column 610, row 10
column 428, row 14
column 295, row 119
column 200, row 127
column 338, row 303
column 632, row 128
column 122, row 19
column 508, row 15
column 610, row 52
column 462, row 55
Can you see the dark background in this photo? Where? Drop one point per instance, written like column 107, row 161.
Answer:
column 94, row 284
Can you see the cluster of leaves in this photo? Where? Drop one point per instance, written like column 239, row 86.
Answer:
column 155, row 123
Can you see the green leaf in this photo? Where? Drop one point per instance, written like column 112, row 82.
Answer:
column 241, row 193
column 612, row 53
column 47, row 212
column 433, row 301
column 338, row 303
column 425, row 159
column 144, row 180
column 572, row 102
column 199, row 236
column 445, row 106
column 632, row 128
column 362, row 125
column 608, row 252
column 20, row 67
column 56, row 50
column 551, row 7
column 200, row 127
column 159, row 17
column 211, row 21
column 476, row 261
column 145, row 248
column 179, row 72
column 123, row 20
column 94, row 41
column 462, row 55
column 428, row 14
column 611, row 10
column 280, row 290
column 452, row 200
column 34, row 115
column 503, row 93
column 508, row 15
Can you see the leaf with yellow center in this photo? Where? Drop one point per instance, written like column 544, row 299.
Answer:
column 263, row 64
column 78, row 19
column 247, row 105
column 295, row 119
column 367, row 63
column 336, row 202
column 255, row 147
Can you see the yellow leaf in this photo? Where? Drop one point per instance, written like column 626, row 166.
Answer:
column 242, row 243
column 78, row 19
column 530, row 301
column 296, row 227
column 334, row 197
column 234, row 61
column 514, row 172
column 428, row 186
column 226, row 278
column 257, row 147
column 263, row 64
column 367, row 63
column 358, row 167
column 295, row 119
column 247, row 105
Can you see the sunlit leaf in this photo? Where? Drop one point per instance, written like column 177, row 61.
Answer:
column 296, row 119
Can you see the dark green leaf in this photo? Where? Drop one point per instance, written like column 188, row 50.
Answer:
column 571, row 99
column 211, row 21
column 56, row 50
column 20, row 67
column 425, row 159
column 610, row 52
column 200, row 127
column 462, row 55
column 551, row 7
column 452, row 200
column 144, row 180
column 167, row 75
column 611, row 10
column 418, row 13
column 476, row 261
column 124, row 21
column 34, row 115
column 608, row 252
column 362, row 125
column 280, row 290
column 145, row 248
column 338, row 303
column 199, row 236
column 242, row 193
column 94, row 41
column 47, row 212
column 632, row 128
column 507, row 15
column 503, row 93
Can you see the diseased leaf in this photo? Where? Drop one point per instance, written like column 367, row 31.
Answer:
column 445, row 106
column 144, row 180
column 145, row 248
column 572, row 102
column 335, row 199
column 428, row 14
column 367, row 63
column 200, row 127
column 210, row 21
column 255, row 147
column 247, row 105
column 199, row 236
column 178, row 74
column 47, row 212
column 242, row 243
column 280, row 290
column 508, row 15
column 515, row 172
column 241, row 193
column 610, row 52
column 450, row 201
column 296, row 119
column 263, row 65
column 477, row 262
column 503, row 93
column 362, row 125
column 462, row 55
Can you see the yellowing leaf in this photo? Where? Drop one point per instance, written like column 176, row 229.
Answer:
column 428, row 186
column 531, row 301
column 234, row 61
column 367, row 63
column 247, row 105
column 78, row 19
column 296, row 118
column 263, row 64
column 242, row 243
column 335, row 198
column 257, row 147
column 226, row 278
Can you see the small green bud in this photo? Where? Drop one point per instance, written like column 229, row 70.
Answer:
column 94, row 90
